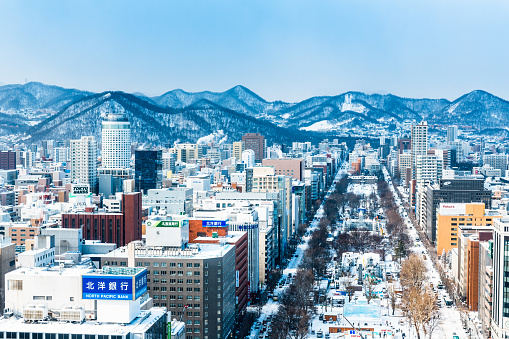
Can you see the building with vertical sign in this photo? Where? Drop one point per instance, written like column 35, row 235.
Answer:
column 197, row 282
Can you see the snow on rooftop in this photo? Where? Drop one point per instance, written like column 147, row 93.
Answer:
column 139, row 325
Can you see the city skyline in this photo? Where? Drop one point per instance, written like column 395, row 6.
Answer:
column 286, row 51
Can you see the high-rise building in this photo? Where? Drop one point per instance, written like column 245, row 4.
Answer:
column 238, row 148
column 248, row 158
column 404, row 145
column 148, row 169
column 84, row 162
column 116, row 141
column 428, row 169
column 187, row 152
column 287, row 166
column 256, row 142
column 7, row 264
column 500, row 306
column 449, row 191
column 7, row 160
column 452, row 133
column 196, row 282
column 497, row 161
column 419, row 144
column 452, row 217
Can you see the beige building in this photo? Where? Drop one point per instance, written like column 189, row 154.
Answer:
column 287, row 166
column 186, row 152
column 238, row 148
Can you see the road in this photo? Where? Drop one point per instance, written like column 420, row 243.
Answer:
column 271, row 306
column 450, row 321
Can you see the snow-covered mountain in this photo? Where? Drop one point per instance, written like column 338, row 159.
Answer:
column 43, row 111
column 152, row 123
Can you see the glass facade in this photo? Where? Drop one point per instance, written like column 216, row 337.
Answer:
column 148, row 169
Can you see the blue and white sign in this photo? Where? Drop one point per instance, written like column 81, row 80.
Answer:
column 112, row 287
column 140, row 284
column 214, row 223
column 246, row 227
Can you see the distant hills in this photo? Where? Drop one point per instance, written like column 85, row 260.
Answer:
column 37, row 111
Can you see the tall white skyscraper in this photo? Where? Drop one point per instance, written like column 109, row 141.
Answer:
column 84, row 162
column 116, row 141
column 419, row 144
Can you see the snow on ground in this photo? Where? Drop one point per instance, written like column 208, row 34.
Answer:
column 450, row 321
column 359, row 189
column 271, row 306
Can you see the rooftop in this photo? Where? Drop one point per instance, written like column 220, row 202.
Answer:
column 193, row 251
column 139, row 325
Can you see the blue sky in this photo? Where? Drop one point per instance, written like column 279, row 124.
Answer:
column 282, row 50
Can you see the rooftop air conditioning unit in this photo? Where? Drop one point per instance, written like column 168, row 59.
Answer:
column 31, row 312
column 76, row 314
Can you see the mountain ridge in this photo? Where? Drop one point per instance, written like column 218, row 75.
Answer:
column 40, row 110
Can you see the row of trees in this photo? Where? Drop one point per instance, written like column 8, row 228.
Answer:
column 418, row 301
column 318, row 254
column 295, row 309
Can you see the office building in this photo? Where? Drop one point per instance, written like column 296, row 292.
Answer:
column 197, row 282
column 148, row 169
column 84, row 162
column 497, row 161
column 500, row 306
column 452, row 134
column 404, row 145
column 451, row 217
column 450, row 191
column 216, row 232
column 485, row 286
column 255, row 142
column 238, row 148
column 7, row 264
column 55, row 302
column 287, row 166
column 116, row 141
column 172, row 200
column 248, row 158
column 187, row 152
column 119, row 228
column 7, row 160
column 419, row 144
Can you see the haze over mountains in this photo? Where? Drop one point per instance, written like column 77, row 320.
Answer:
column 37, row 111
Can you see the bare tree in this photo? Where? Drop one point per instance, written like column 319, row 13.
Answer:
column 419, row 306
column 413, row 271
column 348, row 283
column 392, row 297
column 369, row 288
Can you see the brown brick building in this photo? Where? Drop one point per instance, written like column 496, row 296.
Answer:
column 120, row 228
